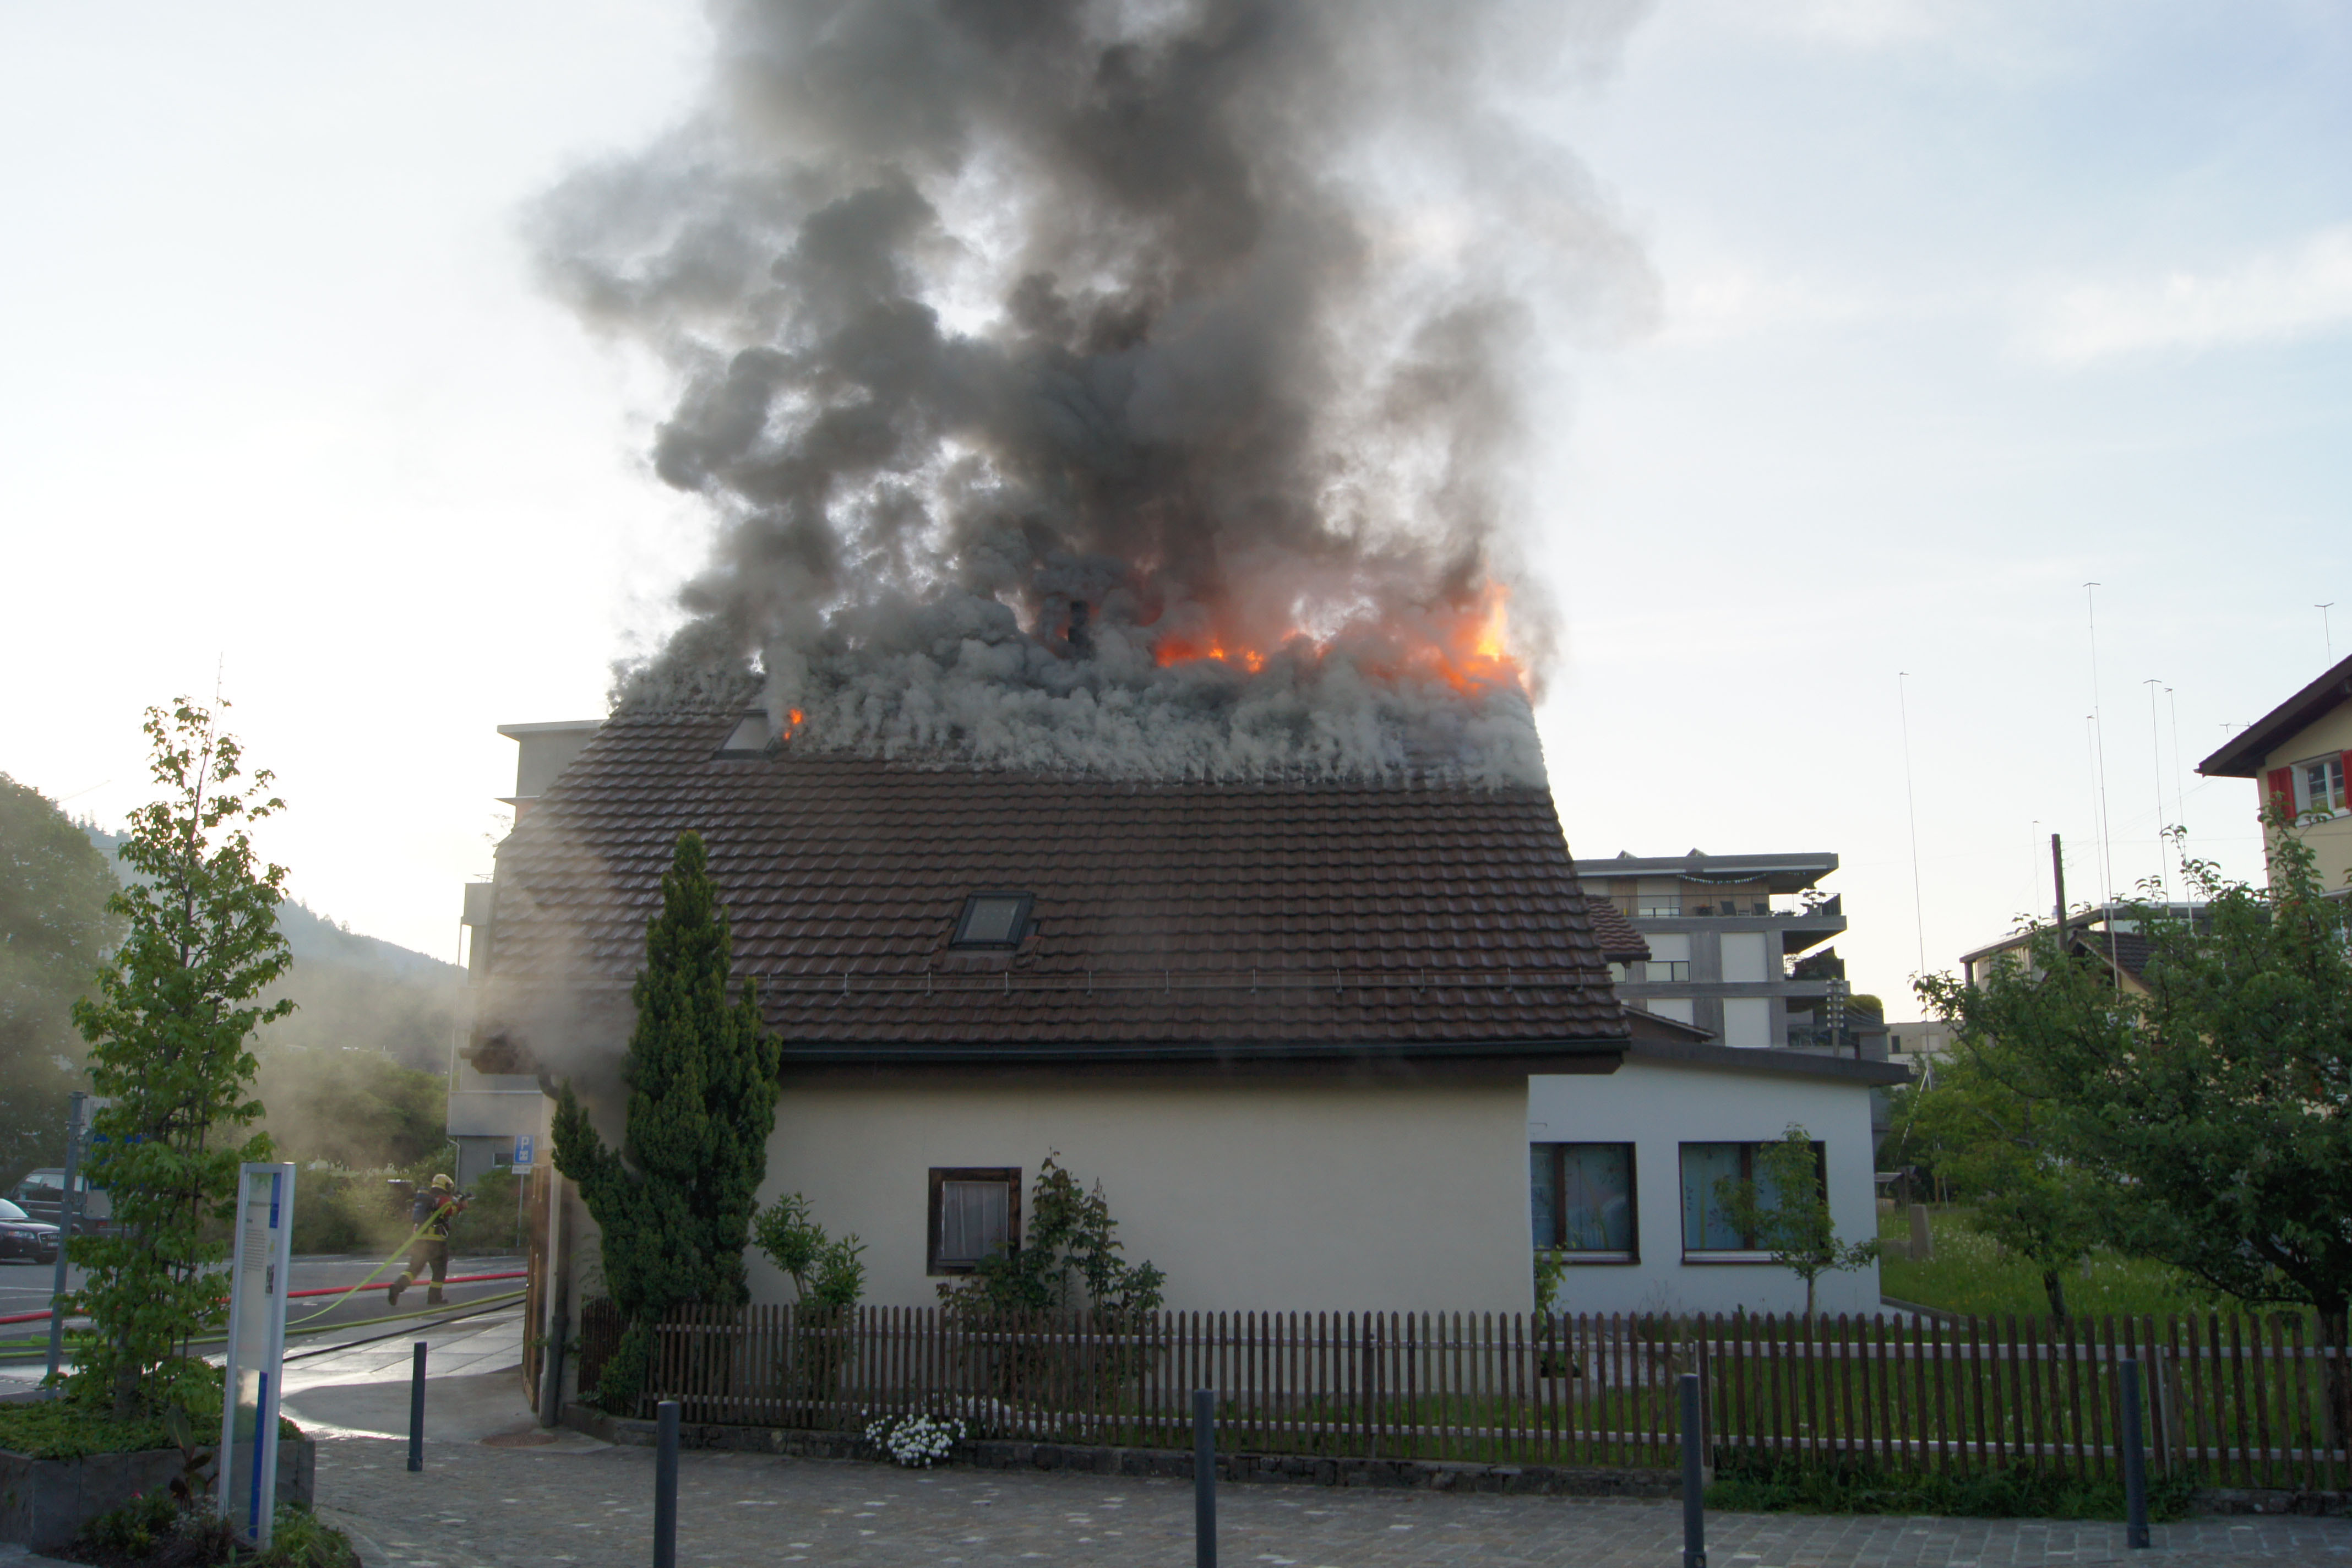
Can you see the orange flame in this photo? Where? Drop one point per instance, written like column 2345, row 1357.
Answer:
column 1467, row 648
column 791, row 723
column 1177, row 651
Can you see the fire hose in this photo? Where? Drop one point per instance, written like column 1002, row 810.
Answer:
column 321, row 1290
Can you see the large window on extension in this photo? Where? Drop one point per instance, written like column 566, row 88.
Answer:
column 1707, row 1231
column 975, row 1211
column 1581, row 1200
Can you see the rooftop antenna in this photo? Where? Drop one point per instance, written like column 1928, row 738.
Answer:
column 2179, row 789
column 2156, row 751
column 2091, row 762
column 2033, row 876
column 1919, row 905
column 2099, row 750
column 2323, row 629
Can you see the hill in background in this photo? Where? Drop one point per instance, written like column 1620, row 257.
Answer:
column 356, row 1074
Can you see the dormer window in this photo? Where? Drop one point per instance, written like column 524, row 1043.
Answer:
column 751, row 738
column 993, row 920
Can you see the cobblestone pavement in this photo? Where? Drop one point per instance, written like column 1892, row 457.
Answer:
column 508, row 1507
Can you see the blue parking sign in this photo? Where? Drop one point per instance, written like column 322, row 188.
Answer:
column 524, row 1150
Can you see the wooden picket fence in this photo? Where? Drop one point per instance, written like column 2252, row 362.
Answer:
column 2230, row 1399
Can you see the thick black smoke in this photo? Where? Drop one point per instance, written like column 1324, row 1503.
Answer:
column 1031, row 347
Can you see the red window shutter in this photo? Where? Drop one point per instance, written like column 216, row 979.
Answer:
column 2282, row 790
column 2346, row 758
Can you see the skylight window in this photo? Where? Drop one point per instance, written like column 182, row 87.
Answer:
column 749, row 738
column 994, row 920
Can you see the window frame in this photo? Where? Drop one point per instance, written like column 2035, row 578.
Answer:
column 1010, row 1175
column 2304, row 800
column 1591, row 1258
column 1750, row 1254
column 729, row 751
column 1021, row 922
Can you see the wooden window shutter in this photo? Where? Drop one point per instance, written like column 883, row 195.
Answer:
column 2346, row 759
column 2282, row 790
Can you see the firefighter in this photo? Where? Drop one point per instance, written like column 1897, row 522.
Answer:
column 435, row 1210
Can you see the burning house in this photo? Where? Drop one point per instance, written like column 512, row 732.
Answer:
column 1285, row 1024
column 1109, row 702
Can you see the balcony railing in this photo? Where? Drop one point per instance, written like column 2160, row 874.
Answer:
column 1722, row 906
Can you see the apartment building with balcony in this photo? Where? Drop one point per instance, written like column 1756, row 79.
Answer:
column 1737, row 948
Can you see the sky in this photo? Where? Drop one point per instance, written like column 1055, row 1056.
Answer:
column 1963, row 307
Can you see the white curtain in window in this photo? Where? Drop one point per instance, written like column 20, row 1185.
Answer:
column 973, row 1219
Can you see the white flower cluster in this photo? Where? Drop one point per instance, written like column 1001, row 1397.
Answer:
column 915, row 1440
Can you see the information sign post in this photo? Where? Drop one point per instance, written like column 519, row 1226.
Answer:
column 258, row 1268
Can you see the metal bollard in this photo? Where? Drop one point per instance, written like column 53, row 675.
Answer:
column 2134, row 1460
column 665, row 1487
column 1205, row 1478
column 416, row 1411
column 1694, row 1478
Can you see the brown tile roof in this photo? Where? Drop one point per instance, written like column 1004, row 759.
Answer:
column 1171, row 919
column 1619, row 943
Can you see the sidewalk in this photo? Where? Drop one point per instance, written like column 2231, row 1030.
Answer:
column 480, row 1506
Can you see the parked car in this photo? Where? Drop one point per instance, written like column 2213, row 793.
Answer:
column 22, row 1236
column 41, row 1194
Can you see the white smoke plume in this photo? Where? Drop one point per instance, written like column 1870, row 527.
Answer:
column 1126, row 385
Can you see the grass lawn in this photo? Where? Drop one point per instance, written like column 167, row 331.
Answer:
column 1970, row 1273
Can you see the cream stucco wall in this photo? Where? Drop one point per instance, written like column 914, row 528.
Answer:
column 2330, row 841
column 1252, row 1192
column 1659, row 1106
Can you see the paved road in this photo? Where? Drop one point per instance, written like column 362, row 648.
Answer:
column 493, row 1503
column 24, row 1288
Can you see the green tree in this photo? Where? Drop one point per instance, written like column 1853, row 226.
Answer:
column 1787, row 1209
column 2212, row 1109
column 1984, row 1130
column 824, row 1272
column 674, row 1201
column 169, row 1034
column 56, row 929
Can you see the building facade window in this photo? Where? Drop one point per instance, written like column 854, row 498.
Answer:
column 1581, row 1200
column 1748, row 1022
column 2320, row 785
column 1707, row 1230
column 1666, row 969
column 975, row 1211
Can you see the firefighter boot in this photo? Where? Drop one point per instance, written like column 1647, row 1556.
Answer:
column 434, row 1298
column 392, row 1297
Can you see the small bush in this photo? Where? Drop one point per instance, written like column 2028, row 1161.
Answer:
column 75, row 1428
column 136, row 1531
column 1791, row 1486
column 297, row 1539
column 153, row 1531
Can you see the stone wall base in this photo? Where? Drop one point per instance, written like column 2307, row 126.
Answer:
column 1171, row 1464
column 44, row 1503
